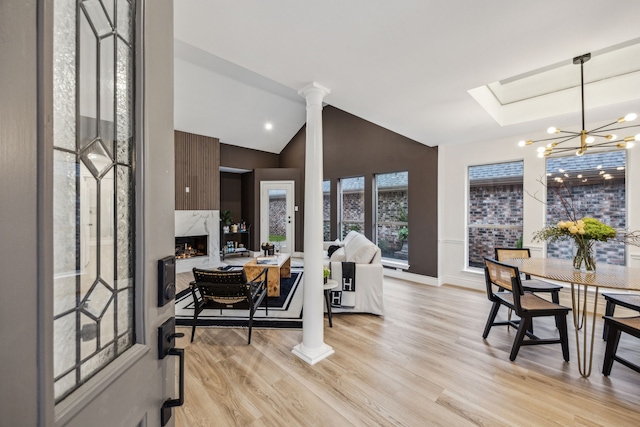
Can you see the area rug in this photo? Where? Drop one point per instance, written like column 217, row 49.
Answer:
column 285, row 311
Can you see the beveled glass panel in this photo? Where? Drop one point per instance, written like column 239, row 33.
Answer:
column 97, row 362
column 88, row 125
column 97, row 300
column 124, row 231
column 124, row 342
column 64, row 74
column 88, row 336
column 97, row 158
column 109, row 6
column 64, row 335
column 124, row 151
column 98, row 17
column 107, row 327
column 64, row 230
column 94, row 99
column 125, row 310
column 107, row 227
column 88, row 229
column 125, row 96
column 64, row 384
column 107, row 93
column 64, row 293
column 125, row 20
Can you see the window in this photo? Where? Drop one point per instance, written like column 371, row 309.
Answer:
column 495, row 209
column 351, row 205
column 392, row 215
column 596, row 187
column 326, row 210
column 93, row 188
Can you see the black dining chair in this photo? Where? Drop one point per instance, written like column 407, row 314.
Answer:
column 630, row 301
column 228, row 290
column 529, row 284
column 504, row 287
column 615, row 326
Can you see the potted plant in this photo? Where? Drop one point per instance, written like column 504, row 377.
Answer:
column 326, row 273
column 225, row 218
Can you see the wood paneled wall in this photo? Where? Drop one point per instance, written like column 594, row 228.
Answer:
column 198, row 169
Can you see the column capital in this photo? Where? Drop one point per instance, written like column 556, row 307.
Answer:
column 314, row 92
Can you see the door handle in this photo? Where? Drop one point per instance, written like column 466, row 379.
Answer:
column 170, row 403
column 166, row 347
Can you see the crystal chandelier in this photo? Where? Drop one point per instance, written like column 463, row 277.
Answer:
column 600, row 137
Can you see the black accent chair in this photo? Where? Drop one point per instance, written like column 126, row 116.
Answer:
column 529, row 284
column 630, row 301
column 616, row 325
column 214, row 289
column 526, row 305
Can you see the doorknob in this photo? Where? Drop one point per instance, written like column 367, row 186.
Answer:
column 166, row 347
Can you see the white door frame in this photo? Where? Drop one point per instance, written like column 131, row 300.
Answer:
column 289, row 187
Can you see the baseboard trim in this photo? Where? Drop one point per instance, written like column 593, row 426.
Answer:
column 412, row 277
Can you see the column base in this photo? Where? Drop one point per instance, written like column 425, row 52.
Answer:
column 312, row 355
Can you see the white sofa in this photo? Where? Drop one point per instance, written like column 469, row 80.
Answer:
column 368, row 296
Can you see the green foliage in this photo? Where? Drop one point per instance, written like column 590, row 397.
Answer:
column 402, row 216
column 277, row 238
column 580, row 230
column 519, row 243
column 403, row 233
column 225, row 217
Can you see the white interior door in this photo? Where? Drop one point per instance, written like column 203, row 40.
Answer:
column 277, row 223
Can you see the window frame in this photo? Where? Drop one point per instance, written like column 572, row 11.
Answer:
column 395, row 262
column 493, row 181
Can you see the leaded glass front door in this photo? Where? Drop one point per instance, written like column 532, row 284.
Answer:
column 94, row 201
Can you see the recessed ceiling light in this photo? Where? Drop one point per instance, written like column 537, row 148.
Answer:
column 268, row 126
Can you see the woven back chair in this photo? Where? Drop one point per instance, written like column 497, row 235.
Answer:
column 526, row 305
column 529, row 284
column 221, row 290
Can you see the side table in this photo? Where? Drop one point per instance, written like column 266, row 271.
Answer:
column 331, row 284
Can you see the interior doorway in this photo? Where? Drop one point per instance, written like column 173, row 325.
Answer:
column 277, row 223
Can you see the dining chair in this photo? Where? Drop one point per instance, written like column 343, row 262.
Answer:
column 529, row 284
column 214, row 289
column 504, row 287
column 615, row 326
column 630, row 301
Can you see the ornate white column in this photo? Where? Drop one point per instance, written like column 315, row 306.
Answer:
column 312, row 349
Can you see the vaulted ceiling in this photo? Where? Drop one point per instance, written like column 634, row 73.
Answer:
column 408, row 66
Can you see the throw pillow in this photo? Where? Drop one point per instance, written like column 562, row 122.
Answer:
column 332, row 249
column 364, row 255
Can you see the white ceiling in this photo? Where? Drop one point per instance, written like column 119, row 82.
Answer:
column 405, row 65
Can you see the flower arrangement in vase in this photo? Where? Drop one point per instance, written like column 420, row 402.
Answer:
column 584, row 233
column 583, row 230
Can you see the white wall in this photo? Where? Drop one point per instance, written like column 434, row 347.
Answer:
column 453, row 163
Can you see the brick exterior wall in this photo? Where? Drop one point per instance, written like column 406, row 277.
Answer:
column 502, row 205
column 601, row 199
column 493, row 205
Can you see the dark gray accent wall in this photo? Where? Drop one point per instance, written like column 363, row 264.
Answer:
column 231, row 194
column 356, row 147
column 246, row 158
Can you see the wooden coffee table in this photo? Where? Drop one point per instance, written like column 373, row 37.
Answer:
column 279, row 266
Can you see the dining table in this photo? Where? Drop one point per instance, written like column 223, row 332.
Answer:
column 608, row 276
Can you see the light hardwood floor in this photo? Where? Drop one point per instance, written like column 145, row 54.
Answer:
column 423, row 364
